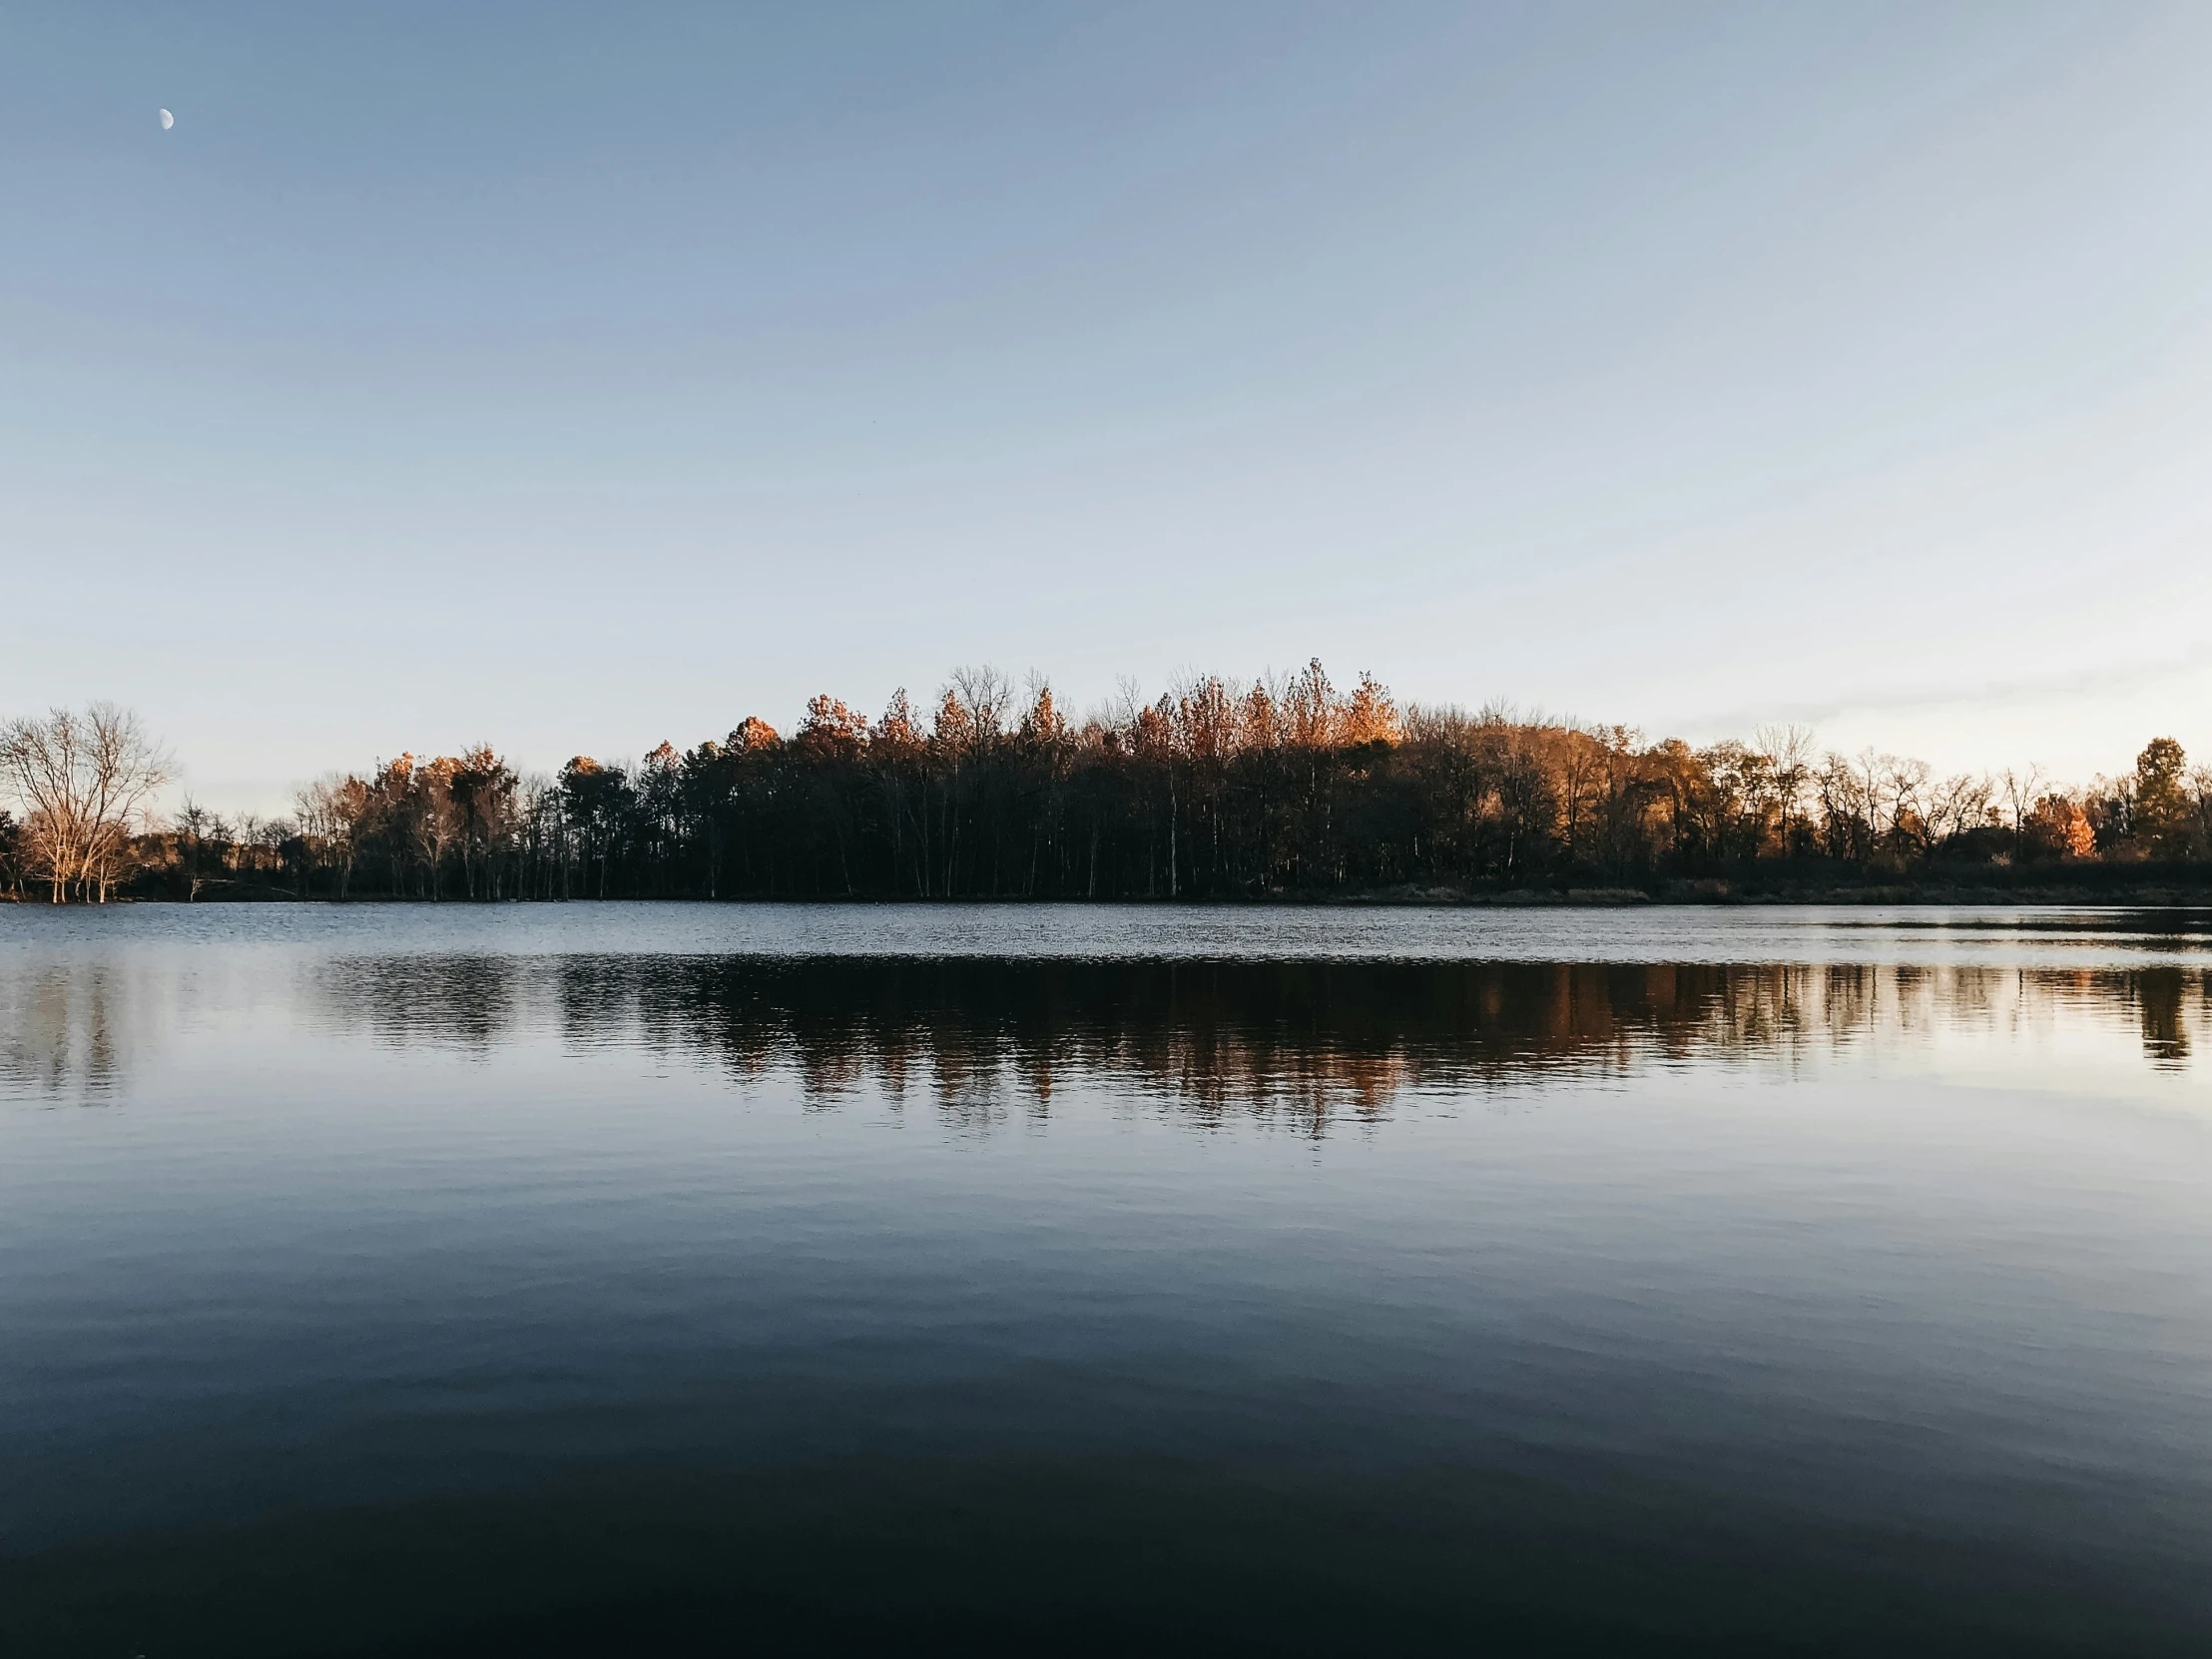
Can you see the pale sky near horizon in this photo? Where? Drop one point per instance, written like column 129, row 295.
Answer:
column 577, row 377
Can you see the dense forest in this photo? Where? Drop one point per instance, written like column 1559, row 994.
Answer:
column 1295, row 787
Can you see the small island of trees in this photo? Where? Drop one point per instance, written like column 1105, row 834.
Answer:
column 1285, row 788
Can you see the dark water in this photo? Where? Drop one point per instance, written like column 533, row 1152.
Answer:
column 697, row 1280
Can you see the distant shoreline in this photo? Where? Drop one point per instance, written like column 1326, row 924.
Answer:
column 1288, row 791
column 2185, row 888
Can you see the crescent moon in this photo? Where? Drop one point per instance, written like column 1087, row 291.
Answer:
column 167, row 121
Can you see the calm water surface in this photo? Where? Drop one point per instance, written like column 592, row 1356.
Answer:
column 694, row 1279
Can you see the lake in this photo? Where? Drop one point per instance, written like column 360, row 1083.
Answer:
column 701, row 1279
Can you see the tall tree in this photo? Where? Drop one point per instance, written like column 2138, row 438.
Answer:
column 2160, row 811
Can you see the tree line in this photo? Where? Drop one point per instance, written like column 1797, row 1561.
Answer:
column 1290, row 786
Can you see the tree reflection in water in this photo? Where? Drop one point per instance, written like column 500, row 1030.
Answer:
column 1302, row 1042
column 61, row 1031
column 1308, row 1042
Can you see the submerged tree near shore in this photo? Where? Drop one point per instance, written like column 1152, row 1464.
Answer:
column 1211, row 791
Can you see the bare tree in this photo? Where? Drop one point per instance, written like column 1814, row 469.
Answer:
column 1959, row 804
column 192, row 826
column 988, row 697
column 1788, row 751
column 2021, row 789
column 437, row 820
column 85, row 782
column 336, row 812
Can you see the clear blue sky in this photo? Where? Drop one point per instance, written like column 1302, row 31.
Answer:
column 575, row 377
